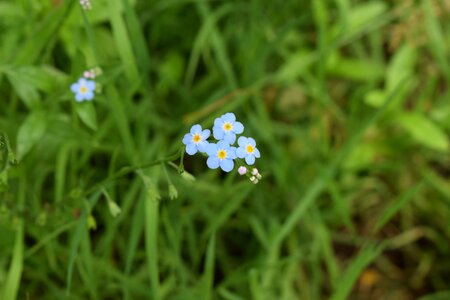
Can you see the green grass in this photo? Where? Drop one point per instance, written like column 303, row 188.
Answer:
column 348, row 103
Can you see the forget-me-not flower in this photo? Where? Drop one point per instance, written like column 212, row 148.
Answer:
column 221, row 155
column 226, row 127
column 83, row 89
column 247, row 149
column 196, row 139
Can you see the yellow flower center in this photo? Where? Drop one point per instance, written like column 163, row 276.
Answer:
column 222, row 154
column 227, row 126
column 249, row 149
column 83, row 89
column 196, row 138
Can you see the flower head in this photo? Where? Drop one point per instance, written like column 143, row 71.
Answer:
column 221, row 155
column 247, row 149
column 83, row 89
column 226, row 127
column 195, row 140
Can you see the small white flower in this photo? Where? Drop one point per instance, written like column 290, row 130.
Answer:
column 89, row 74
column 86, row 4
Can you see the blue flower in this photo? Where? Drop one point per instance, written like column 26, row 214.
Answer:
column 196, row 139
column 247, row 149
column 225, row 128
column 83, row 89
column 221, row 154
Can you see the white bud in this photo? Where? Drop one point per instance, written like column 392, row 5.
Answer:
column 242, row 170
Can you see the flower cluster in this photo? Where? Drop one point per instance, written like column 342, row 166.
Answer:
column 254, row 175
column 222, row 153
column 86, row 4
column 84, row 88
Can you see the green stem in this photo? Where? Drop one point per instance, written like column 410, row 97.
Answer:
column 90, row 34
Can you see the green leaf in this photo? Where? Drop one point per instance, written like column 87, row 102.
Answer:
column 30, row 132
column 355, row 69
column 295, row 65
column 208, row 272
column 375, row 98
column 40, row 78
column 87, row 114
column 424, row 131
column 437, row 43
column 360, row 16
column 13, row 279
column 26, row 92
column 401, row 66
column 361, row 156
column 364, row 13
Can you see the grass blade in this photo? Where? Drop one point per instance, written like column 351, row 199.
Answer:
column 348, row 279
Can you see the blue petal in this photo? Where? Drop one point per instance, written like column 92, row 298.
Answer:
column 90, row 85
column 231, row 152
column 211, row 149
column 229, row 137
column 227, row 165
column 202, row 146
column 89, row 95
column 205, row 134
column 256, row 153
column 75, row 87
column 251, row 141
column 250, row 159
column 240, row 152
column 238, row 127
column 212, row 162
column 191, row 149
column 187, row 138
column 218, row 133
column 196, row 129
column 82, row 81
column 79, row 97
column 229, row 117
column 218, row 122
column 242, row 141
column 223, row 145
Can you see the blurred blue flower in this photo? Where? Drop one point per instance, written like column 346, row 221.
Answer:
column 247, row 149
column 225, row 128
column 196, row 139
column 221, row 155
column 83, row 89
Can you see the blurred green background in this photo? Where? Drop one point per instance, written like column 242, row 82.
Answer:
column 348, row 101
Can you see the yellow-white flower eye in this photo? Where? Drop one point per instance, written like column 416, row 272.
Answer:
column 250, row 149
column 227, row 126
column 196, row 138
column 83, row 89
column 222, row 154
